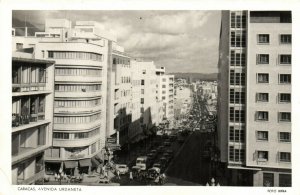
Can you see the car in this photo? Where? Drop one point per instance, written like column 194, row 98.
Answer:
column 170, row 152
column 158, row 165
column 167, row 156
column 122, row 168
column 153, row 152
column 167, row 143
column 153, row 172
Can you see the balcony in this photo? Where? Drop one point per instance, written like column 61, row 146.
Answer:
column 75, row 142
column 26, row 152
column 78, row 94
column 77, row 127
column 78, row 78
column 67, row 110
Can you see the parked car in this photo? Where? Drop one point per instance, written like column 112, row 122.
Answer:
column 122, row 168
column 153, row 173
column 158, row 165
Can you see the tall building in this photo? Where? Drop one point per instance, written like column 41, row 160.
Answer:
column 165, row 91
column 81, row 60
column 254, row 110
column 32, row 116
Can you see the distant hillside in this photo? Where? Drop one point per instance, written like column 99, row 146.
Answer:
column 20, row 27
column 197, row 76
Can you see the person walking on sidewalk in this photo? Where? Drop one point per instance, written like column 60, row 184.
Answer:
column 118, row 174
column 130, row 176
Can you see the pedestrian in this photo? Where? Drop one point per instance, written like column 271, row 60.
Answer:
column 118, row 174
column 55, row 176
column 130, row 176
column 105, row 174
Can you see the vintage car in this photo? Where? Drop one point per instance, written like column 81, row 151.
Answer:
column 122, row 168
column 153, row 173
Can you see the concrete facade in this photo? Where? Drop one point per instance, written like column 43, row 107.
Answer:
column 255, row 54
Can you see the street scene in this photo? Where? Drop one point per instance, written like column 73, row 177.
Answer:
column 151, row 98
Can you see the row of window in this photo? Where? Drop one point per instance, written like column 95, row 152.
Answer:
column 28, row 74
column 236, row 155
column 125, row 79
column 283, row 38
column 76, row 119
column 237, row 134
column 121, row 60
column 83, row 135
column 78, row 55
column 77, row 103
column 76, row 88
column 282, row 78
column 237, row 78
column 283, row 59
column 282, row 136
column 282, row 97
column 263, row 156
column 264, row 116
column 78, row 71
column 237, row 96
column 236, row 115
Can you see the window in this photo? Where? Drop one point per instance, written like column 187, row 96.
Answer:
column 284, row 156
column 144, row 71
column 164, row 80
column 284, row 136
column 285, row 79
column 74, row 55
column 263, row 38
column 236, row 155
column 286, row 39
column 237, row 96
column 262, row 116
column 57, row 135
column 163, row 86
column 142, row 91
column 268, row 179
column 142, row 110
column 163, row 97
column 142, row 100
column 236, row 115
column 262, row 59
column 237, row 134
column 262, row 135
column 237, row 58
column 284, row 97
column 262, row 97
column 262, row 155
column 285, row 180
column 285, row 59
column 237, row 78
column 142, row 82
column 285, row 116
column 263, row 78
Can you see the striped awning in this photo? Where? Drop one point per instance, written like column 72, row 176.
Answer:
column 70, row 164
column 85, row 162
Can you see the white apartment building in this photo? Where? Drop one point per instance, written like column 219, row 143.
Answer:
column 165, row 91
column 81, row 56
column 32, row 116
column 255, row 97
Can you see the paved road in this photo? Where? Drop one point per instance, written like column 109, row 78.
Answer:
column 189, row 164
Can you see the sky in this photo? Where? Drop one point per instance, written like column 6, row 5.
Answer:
column 182, row 41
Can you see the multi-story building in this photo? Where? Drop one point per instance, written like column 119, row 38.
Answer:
column 81, row 56
column 254, row 128
column 120, row 86
column 165, row 92
column 32, row 116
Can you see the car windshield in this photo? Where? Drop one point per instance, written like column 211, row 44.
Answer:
column 140, row 161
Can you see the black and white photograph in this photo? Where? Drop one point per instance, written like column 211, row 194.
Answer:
column 161, row 98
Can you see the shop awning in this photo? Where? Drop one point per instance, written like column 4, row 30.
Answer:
column 70, row 164
column 85, row 162
column 95, row 163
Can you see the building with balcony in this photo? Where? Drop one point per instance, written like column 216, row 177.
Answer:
column 80, row 90
column 32, row 116
column 254, row 107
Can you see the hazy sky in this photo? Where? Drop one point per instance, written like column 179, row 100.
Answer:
column 182, row 41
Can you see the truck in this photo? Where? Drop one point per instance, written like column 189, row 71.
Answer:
column 143, row 162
